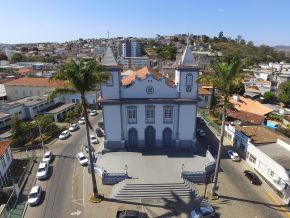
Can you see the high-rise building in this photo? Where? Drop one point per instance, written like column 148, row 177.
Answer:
column 130, row 49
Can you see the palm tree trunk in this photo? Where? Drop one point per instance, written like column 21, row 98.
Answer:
column 84, row 104
column 218, row 159
column 212, row 101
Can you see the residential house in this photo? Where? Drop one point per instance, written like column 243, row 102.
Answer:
column 205, row 97
column 268, row 153
column 5, row 162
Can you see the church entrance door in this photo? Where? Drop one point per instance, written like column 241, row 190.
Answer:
column 167, row 137
column 150, row 136
column 133, row 137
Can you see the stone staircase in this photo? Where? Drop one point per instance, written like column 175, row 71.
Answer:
column 130, row 189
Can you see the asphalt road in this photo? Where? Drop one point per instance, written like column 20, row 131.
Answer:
column 63, row 191
column 238, row 197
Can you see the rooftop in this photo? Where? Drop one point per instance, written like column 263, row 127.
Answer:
column 108, row 58
column 278, row 153
column 142, row 74
column 60, row 107
column 246, row 117
column 259, row 135
column 40, row 82
column 250, row 106
column 203, row 91
column 28, row 101
column 3, row 146
column 3, row 115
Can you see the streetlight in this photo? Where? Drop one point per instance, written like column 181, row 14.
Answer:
column 40, row 133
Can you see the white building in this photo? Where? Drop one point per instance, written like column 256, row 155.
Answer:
column 135, row 62
column 5, row 162
column 146, row 109
column 268, row 153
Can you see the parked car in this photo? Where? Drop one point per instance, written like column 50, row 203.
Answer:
column 73, row 127
column 99, row 132
column 42, row 171
column 101, row 124
column 82, row 121
column 86, row 147
column 233, row 155
column 64, row 135
column 200, row 120
column 47, row 157
column 34, row 195
column 82, row 158
column 252, row 177
column 93, row 113
column 200, row 132
column 130, row 214
column 94, row 139
column 202, row 212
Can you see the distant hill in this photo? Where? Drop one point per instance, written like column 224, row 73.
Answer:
column 283, row 48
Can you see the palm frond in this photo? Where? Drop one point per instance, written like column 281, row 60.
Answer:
column 61, row 91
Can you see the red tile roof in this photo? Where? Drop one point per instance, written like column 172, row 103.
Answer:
column 246, row 117
column 24, row 71
column 142, row 74
column 26, row 81
column 203, row 91
column 3, row 146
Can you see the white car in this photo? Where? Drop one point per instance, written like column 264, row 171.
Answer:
column 47, row 157
column 93, row 113
column 200, row 132
column 203, row 212
column 82, row 159
column 34, row 195
column 233, row 155
column 73, row 127
column 82, row 121
column 94, row 139
column 42, row 171
column 64, row 135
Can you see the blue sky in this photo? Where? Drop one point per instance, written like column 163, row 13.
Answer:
column 261, row 21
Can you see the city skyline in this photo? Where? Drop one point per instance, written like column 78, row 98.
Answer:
column 39, row 21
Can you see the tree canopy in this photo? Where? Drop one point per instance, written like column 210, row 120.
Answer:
column 166, row 52
column 3, row 56
column 284, row 93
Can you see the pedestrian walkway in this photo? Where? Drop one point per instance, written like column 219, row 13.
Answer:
column 22, row 199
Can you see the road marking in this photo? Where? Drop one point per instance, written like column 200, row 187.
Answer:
column 77, row 202
column 283, row 209
column 77, row 213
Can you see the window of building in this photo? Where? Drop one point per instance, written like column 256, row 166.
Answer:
column 73, row 100
column 30, row 92
column 16, row 92
column 263, row 166
column 3, row 162
column 23, row 93
column 271, row 173
column 205, row 98
column 110, row 81
column 189, row 79
column 252, row 158
column 168, row 114
column 149, row 114
column 132, row 114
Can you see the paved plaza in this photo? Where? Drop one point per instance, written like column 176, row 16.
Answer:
column 152, row 164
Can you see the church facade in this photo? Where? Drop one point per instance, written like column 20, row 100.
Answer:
column 146, row 109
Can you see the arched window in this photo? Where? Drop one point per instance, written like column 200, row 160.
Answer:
column 189, row 79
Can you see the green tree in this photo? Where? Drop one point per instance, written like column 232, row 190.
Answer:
column 48, row 127
column 81, row 77
column 16, row 57
column 225, row 77
column 3, row 56
column 22, row 132
column 284, row 93
column 166, row 52
column 268, row 97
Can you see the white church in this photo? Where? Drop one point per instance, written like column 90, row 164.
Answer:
column 146, row 109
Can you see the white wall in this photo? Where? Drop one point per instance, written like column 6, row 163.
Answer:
column 141, row 124
column 16, row 92
column 187, row 122
column 138, row 89
column 112, row 92
column 112, row 122
column 203, row 103
column 8, row 162
column 90, row 97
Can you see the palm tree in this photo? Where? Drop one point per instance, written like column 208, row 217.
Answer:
column 81, row 77
column 226, row 76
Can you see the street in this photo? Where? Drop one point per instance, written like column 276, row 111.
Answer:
column 63, row 191
column 237, row 196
